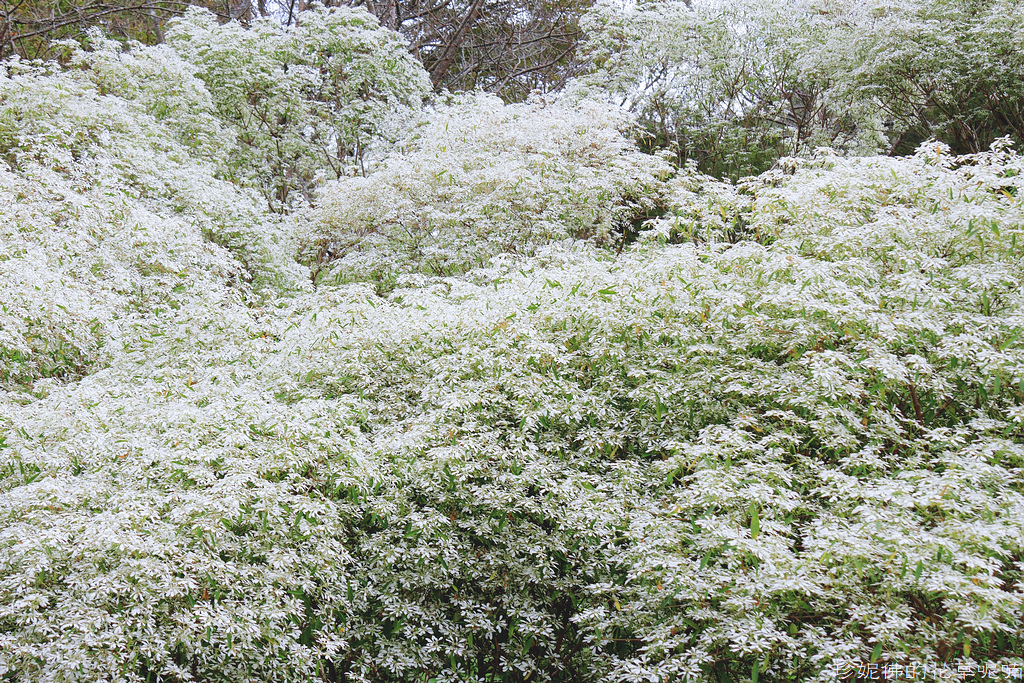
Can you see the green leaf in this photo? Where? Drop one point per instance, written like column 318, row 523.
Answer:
column 1009, row 340
column 704, row 560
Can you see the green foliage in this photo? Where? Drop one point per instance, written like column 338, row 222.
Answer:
column 777, row 436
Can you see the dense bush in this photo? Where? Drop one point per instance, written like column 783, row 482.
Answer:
column 481, row 179
column 778, row 435
column 106, row 221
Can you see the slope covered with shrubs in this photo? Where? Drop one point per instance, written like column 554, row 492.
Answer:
column 447, row 424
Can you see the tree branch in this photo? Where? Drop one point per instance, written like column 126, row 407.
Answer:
column 441, row 66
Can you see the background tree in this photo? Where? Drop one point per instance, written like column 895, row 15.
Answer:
column 509, row 47
column 307, row 101
column 28, row 27
column 734, row 86
column 716, row 83
column 946, row 69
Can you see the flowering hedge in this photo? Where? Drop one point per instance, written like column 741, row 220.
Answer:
column 777, row 437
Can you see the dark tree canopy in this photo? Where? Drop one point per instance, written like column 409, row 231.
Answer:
column 28, row 28
column 509, row 47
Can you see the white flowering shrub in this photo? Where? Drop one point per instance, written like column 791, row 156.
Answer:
column 105, row 217
column 482, row 179
column 704, row 209
column 307, row 102
column 726, row 85
column 860, row 383
column 158, row 81
column 778, row 436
